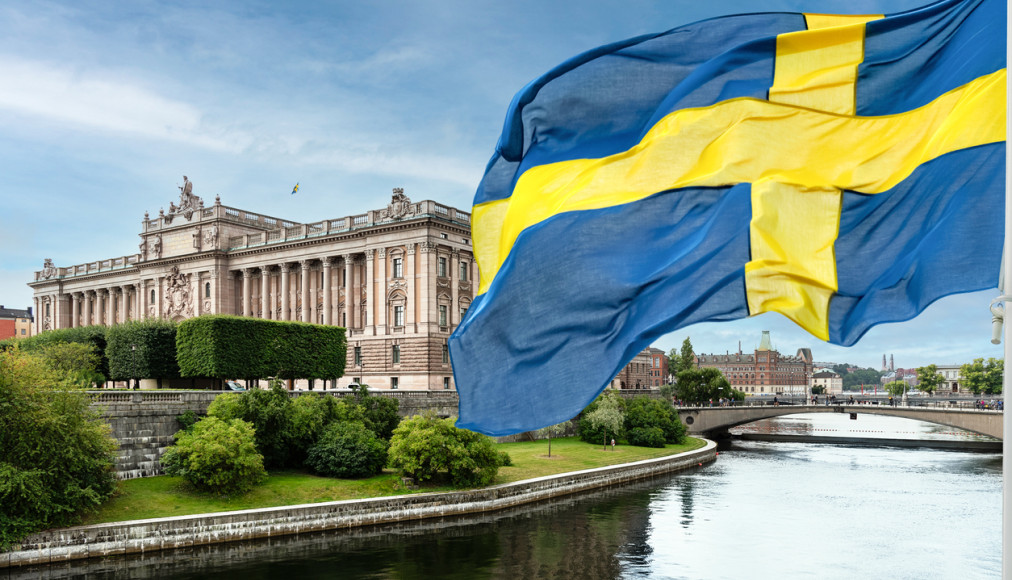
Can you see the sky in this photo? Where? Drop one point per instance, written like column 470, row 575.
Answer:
column 104, row 106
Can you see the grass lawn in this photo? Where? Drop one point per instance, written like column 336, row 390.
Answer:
column 164, row 496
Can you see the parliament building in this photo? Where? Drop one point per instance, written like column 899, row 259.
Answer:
column 399, row 278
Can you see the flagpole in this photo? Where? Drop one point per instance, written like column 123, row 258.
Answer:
column 1006, row 470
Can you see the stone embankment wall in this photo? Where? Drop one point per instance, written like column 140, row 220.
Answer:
column 167, row 533
column 144, row 422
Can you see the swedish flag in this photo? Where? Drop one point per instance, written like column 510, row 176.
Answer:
column 295, row 189
column 843, row 171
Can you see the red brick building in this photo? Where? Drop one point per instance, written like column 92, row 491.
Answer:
column 15, row 323
column 765, row 371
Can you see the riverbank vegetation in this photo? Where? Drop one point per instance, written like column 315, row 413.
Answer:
column 164, row 496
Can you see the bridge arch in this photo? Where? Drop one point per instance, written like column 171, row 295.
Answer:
column 709, row 420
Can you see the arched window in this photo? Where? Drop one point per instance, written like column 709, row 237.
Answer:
column 152, row 301
column 207, row 289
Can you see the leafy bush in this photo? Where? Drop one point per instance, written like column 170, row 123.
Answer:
column 56, row 454
column 347, row 450
column 646, row 437
column 380, row 414
column 424, row 446
column 187, row 420
column 217, row 456
column 644, row 412
column 269, row 411
column 93, row 335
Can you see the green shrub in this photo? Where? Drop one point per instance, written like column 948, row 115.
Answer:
column 603, row 419
column 380, row 414
column 424, row 446
column 56, row 454
column 269, row 413
column 187, row 420
column 347, row 450
column 646, row 437
column 308, row 415
column 93, row 335
column 644, row 412
column 217, row 456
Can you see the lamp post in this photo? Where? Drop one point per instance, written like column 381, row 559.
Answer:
column 133, row 365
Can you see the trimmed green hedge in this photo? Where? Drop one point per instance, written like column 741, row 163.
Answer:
column 155, row 357
column 231, row 347
column 93, row 335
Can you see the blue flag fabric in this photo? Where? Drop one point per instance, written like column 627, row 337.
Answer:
column 843, row 171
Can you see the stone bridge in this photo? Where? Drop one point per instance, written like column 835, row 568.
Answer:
column 715, row 420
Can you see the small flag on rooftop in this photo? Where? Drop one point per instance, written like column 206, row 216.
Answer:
column 295, row 189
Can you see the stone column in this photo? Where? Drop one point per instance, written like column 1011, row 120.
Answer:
column 349, row 294
column 453, row 316
column 381, row 297
column 370, row 298
column 247, row 306
column 427, row 286
column 123, row 293
column 327, row 319
column 265, row 292
column 410, row 292
column 285, row 288
column 158, row 297
column 110, row 307
column 75, row 310
column 305, row 290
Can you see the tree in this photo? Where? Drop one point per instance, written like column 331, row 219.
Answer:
column 549, row 431
column 216, row 456
column 607, row 418
column 854, row 380
column 77, row 363
column 646, row 413
column 895, row 388
column 142, row 349
column 983, row 377
column 818, row 390
column 705, row 384
column 929, row 379
column 682, row 360
column 380, row 414
column 56, row 452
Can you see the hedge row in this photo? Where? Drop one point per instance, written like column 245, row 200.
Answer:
column 226, row 347
column 142, row 349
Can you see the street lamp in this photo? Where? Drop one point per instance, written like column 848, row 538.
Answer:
column 133, row 365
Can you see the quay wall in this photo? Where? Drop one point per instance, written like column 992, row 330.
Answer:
column 102, row 540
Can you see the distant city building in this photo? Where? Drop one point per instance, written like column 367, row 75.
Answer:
column 646, row 370
column 953, row 376
column 399, row 278
column 15, row 323
column 831, row 382
column 765, row 371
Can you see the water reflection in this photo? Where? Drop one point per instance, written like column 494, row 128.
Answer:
column 762, row 510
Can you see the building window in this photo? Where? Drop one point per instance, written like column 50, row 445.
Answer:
column 446, row 354
column 47, row 309
column 152, row 299
column 358, row 356
column 463, row 311
column 398, row 316
column 446, row 383
column 395, row 354
column 393, row 382
column 442, row 315
column 398, row 267
column 442, row 268
column 22, row 331
column 344, row 319
column 207, row 289
column 463, row 271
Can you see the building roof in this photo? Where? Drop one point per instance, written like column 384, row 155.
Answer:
column 765, row 343
column 6, row 313
column 825, row 375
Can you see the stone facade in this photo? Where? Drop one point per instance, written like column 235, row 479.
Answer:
column 647, row 369
column 765, row 371
column 398, row 278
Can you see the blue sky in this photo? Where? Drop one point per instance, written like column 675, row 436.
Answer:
column 104, row 106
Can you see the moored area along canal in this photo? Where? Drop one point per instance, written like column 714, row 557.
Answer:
column 762, row 510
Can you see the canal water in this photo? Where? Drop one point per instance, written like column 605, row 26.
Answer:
column 762, row 510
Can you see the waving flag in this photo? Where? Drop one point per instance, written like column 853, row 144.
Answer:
column 295, row 189
column 843, row 171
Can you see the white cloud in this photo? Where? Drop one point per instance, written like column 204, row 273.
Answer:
column 89, row 101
